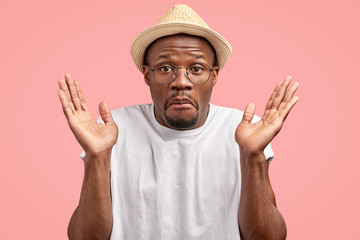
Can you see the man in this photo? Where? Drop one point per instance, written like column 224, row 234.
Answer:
column 179, row 168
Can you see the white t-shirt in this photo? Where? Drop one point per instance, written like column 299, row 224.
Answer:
column 170, row 184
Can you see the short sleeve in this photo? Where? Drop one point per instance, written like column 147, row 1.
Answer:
column 268, row 152
column 82, row 155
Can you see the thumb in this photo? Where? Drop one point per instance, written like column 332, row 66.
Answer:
column 105, row 113
column 248, row 113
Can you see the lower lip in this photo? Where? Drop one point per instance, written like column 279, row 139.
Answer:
column 184, row 105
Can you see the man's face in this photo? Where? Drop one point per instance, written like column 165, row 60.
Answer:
column 180, row 104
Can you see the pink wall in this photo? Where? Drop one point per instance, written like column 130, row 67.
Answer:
column 316, row 171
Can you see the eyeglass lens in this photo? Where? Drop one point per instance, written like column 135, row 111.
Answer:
column 198, row 73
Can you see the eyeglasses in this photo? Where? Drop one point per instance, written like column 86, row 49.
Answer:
column 197, row 73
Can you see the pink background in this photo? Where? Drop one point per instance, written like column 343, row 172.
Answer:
column 315, row 174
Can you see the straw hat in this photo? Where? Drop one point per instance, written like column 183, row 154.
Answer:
column 179, row 19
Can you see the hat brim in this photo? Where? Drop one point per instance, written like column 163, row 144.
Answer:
column 146, row 37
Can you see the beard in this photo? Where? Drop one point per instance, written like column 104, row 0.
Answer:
column 182, row 123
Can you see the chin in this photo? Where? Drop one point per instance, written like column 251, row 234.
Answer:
column 181, row 123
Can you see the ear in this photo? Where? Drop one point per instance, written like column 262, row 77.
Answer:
column 146, row 70
column 215, row 74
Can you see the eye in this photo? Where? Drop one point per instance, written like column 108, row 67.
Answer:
column 196, row 69
column 165, row 69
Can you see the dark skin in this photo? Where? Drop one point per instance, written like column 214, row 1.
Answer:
column 181, row 51
column 258, row 215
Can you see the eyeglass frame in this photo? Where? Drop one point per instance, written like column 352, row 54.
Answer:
column 187, row 73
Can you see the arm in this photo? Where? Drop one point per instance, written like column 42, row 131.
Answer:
column 92, row 219
column 258, row 215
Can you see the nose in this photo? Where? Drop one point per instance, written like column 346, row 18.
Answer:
column 181, row 81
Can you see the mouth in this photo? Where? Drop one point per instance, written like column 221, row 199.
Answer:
column 181, row 103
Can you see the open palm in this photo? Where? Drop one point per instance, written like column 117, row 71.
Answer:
column 254, row 137
column 94, row 137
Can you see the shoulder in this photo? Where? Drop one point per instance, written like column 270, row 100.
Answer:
column 132, row 113
column 229, row 114
column 223, row 118
column 134, row 109
column 226, row 112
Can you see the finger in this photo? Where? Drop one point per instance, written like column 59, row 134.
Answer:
column 65, row 104
column 270, row 101
column 63, row 86
column 81, row 96
column 287, row 108
column 289, row 95
column 248, row 113
column 105, row 113
column 73, row 92
column 279, row 96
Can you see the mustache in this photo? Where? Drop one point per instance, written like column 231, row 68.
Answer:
column 183, row 94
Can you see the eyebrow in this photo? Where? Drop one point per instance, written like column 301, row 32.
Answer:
column 168, row 56
column 197, row 56
column 164, row 56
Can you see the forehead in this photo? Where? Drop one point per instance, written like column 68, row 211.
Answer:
column 181, row 44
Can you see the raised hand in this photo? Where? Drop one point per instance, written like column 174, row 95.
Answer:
column 94, row 137
column 254, row 137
